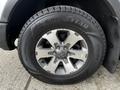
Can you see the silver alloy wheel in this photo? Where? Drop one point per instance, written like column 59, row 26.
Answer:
column 61, row 51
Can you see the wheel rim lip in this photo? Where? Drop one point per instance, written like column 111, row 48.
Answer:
column 69, row 30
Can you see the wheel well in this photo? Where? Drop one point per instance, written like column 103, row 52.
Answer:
column 24, row 9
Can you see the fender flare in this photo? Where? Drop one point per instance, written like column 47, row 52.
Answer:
column 8, row 5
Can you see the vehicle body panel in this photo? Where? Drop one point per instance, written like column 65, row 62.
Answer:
column 2, row 6
column 6, row 7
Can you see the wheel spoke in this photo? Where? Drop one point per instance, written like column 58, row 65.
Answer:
column 52, row 38
column 69, row 68
column 52, row 65
column 72, row 39
column 79, row 54
column 43, row 53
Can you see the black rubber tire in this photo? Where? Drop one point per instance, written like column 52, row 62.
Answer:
column 62, row 17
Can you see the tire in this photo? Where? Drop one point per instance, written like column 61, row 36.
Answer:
column 66, row 17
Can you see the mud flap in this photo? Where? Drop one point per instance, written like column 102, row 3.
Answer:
column 113, row 49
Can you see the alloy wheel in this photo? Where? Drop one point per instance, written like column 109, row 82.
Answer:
column 61, row 51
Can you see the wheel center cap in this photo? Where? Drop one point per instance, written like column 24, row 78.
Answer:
column 61, row 53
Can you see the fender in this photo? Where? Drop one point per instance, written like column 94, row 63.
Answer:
column 2, row 6
column 6, row 7
column 113, row 52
